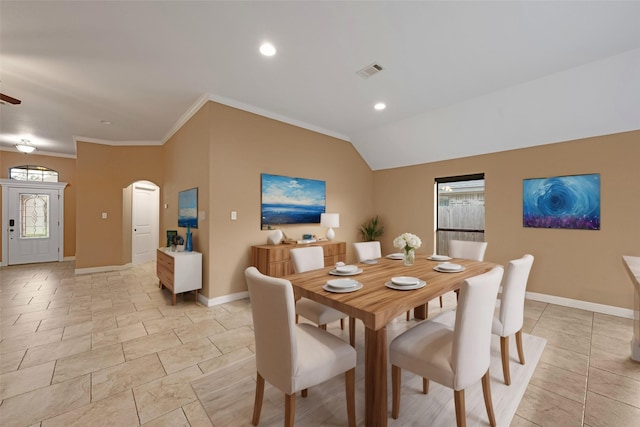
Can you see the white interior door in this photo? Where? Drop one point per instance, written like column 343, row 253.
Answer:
column 33, row 225
column 145, row 199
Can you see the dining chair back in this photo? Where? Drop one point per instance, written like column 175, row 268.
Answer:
column 312, row 258
column 511, row 315
column 455, row 358
column 293, row 357
column 467, row 250
column 366, row 251
column 306, row 259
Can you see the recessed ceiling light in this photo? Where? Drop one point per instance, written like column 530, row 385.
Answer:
column 267, row 49
column 380, row 106
column 105, row 122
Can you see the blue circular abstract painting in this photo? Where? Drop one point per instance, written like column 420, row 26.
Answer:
column 562, row 202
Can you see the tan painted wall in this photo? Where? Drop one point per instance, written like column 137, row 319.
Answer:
column 66, row 168
column 223, row 151
column 187, row 165
column 103, row 171
column 578, row 264
column 244, row 145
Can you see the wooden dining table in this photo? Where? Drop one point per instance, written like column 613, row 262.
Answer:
column 376, row 305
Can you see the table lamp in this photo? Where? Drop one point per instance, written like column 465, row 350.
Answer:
column 330, row 220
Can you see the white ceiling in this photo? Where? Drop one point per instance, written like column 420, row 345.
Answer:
column 144, row 65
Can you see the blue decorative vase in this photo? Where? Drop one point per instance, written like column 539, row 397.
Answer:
column 188, row 246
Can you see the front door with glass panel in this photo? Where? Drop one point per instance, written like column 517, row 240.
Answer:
column 33, row 225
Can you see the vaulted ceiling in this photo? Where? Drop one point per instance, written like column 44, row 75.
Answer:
column 458, row 78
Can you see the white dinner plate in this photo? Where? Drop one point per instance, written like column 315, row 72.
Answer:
column 342, row 283
column 449, row 266
column 370, row 261
column 442, row 270
column 346, row 268
column 335, row 272
column 419, row 285
column 395, row 256
column 328, row 288
column 435, row 257
column 405, row 281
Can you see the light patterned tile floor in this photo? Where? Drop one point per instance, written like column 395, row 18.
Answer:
column 109, row 349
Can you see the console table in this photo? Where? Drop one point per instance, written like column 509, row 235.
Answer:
column 179, row 271
column 275, row 260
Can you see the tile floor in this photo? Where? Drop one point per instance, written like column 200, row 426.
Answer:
column 109, row 349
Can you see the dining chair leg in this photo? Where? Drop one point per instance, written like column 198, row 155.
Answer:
column 342, row 323
column 486, row 390
column 297, row 319
column 323, row 327
column 396, row 373
column 408, row 315
column 257, row 405
column 350, row 389
column 440, row 301
column 519, row 345
column 504, row 352
column 425, row 385
column 305, row 392
column 461, row 415
column 289, row 409
column 352, row 331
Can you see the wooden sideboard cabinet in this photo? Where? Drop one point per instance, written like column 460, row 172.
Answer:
column 179, row 271
column 275, row 260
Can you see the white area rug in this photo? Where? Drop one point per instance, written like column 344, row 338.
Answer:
column 228, row 393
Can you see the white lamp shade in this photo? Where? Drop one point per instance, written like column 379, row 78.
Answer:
column 330, row 220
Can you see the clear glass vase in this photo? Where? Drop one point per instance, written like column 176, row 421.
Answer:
column 409, row 256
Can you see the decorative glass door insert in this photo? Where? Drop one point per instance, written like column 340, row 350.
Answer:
column 34, row 216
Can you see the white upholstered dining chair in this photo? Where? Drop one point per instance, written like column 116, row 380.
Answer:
column 455, row 358
column 293, row 357
column 312, row 258
column 511, row 316
column 467, row 250
column 366, row 251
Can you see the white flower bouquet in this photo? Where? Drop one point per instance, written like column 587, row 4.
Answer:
column 407, row 241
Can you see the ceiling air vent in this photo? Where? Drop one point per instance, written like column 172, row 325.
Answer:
column 369, row 70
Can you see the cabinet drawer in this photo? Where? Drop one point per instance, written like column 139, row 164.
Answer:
column 166, row 278
column 338, row 248
column 165, row 262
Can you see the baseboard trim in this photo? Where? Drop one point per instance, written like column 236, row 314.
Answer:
column 69, row 258
column 210, row 302
column 582, row 305
column 103, row 269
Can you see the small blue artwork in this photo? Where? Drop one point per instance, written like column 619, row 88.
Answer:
column 562, row 202
column 188, row 208
column 287, row 200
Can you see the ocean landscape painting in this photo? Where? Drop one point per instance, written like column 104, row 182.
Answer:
column 287, row 200
column 562, row 202
column 188, row 208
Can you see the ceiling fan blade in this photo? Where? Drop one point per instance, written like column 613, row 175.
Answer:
column 9, row 99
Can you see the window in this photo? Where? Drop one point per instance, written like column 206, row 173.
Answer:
column 460, row 213
column 33, row 173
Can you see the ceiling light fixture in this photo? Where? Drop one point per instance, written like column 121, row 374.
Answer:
column 105, row 122
column 380, row 106
column 267, row 49
column 25, row 146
